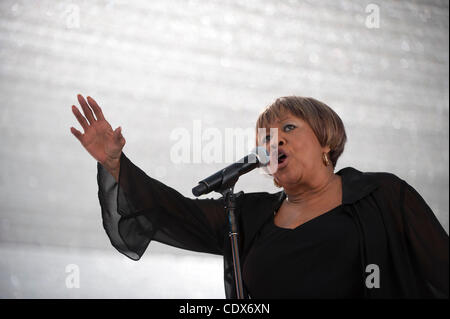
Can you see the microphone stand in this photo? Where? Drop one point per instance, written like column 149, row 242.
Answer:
column 223, row 182
column 229, row 179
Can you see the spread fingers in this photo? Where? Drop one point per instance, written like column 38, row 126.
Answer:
column 86, row 109
column 81, row 119
column 97, row 110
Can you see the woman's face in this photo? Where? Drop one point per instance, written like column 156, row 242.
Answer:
column 302, row 151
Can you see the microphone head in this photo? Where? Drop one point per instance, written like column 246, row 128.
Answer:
column 262, row 155
column 200, row 189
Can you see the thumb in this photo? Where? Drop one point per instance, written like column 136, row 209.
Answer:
column 118, row 133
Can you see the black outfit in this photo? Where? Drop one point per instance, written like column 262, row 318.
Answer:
column 318, row 259
column 388, row 221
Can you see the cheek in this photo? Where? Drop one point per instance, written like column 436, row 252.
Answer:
column 307, row 154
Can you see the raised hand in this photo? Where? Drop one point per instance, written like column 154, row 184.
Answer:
column 99, row 139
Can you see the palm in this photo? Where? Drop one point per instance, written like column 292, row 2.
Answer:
column 99, row 142
column 98, row 139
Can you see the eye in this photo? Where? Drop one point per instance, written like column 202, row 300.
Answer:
column 288, row 127
column 266, row 139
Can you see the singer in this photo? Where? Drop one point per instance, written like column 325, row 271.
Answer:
column 325, row 234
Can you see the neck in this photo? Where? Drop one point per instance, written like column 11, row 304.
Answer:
column 311, row 192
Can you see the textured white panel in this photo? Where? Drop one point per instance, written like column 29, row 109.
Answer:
column 155, row 66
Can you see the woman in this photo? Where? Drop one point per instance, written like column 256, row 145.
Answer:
column 325, row 235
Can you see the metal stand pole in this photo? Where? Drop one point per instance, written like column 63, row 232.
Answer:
column 228, row 178
column 230, row 206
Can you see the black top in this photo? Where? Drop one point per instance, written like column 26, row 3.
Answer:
column 396, row 228
column 318, row 259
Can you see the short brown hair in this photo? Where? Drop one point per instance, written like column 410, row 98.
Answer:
column 325, row 123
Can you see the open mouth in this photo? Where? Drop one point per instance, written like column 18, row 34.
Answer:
column 281, row 157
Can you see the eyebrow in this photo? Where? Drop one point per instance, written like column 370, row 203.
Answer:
column 279, row 121
column 285, row 119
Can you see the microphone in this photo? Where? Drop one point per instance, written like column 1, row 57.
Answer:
column 230, row 174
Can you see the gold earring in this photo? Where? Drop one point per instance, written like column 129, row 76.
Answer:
column 325, row 159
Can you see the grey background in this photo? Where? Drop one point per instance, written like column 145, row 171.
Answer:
column 154, row 66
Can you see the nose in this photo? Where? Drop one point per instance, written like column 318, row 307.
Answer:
column 280, row 140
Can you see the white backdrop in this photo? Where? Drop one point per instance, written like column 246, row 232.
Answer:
column 155, row 66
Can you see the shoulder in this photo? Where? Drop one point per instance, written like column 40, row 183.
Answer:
column 255, row 209
column 386, row 179
column 357, row 184
column 390, row 185
column 382, row 178
column 259, row 204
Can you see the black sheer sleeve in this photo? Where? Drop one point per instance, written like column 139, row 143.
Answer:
column 138, row 209
column 427, row 242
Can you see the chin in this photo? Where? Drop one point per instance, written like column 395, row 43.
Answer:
column 288, row 178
